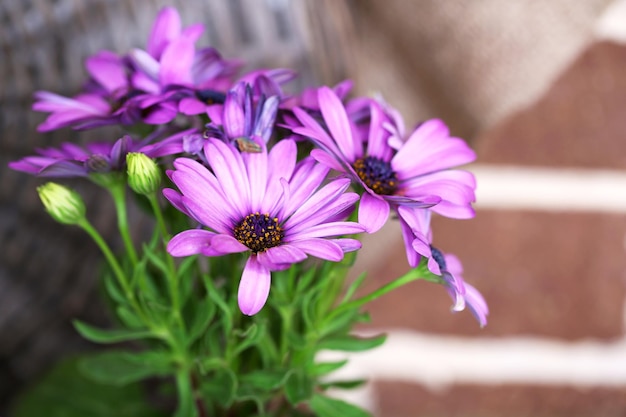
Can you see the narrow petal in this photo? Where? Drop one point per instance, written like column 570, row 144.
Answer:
column 327, row 159
column 166, row 27
column 190, row 242
column 326, row 230
column 338, row 123
column 280, row 255
column 373, row 212
column 176, row 63
column 254, row 287
column 107, row 68
column 234, row 120
column 407, row 234
column 477, row 304
column 348, row 245
column 227, row 244
column 320, row 248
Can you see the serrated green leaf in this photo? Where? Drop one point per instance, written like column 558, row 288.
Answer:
column 323, row 368
column 220, row 387
column 352, row 343
column 298, row 387
column 330, row 407
column 65, row 392
column 110, row 336
column 120, row 368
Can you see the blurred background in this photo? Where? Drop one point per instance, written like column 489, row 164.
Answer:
column 537, row 89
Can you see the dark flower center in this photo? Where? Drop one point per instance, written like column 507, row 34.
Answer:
column 376, row 174
column 210, row 96
column 259, row 232
column 439, row 258
column 98, row 163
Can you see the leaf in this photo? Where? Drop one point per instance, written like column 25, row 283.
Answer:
column 253, row 335
column 342, row 321
column 204, row 313
column 155, row 260
column 354, row 286
column 352, row 343
column 65, row 392
column 227, row 315
column 330, row 407
column 323, row 368
column 298, row 387
column 129, row 318
column 267, row 380
column 221, row 387
column 113, row 290
column 110, row 336
column 347, row 384
column 120, row 368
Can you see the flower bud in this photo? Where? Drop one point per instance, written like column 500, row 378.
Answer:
column 63, row 204
column 144, row 175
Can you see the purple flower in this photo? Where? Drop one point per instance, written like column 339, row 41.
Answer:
column 71, row 160
column 414, row 175
column 418, row 242
column 264, row 204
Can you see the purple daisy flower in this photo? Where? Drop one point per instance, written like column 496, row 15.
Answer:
column 242, row 120
column 417, row 235
column 264, row 204
column 415, row 175
column 71, row 160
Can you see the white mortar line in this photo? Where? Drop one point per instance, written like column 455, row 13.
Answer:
column 610, row 26
column 549, row 189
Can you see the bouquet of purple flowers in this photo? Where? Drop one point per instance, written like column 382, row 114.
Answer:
column 259, row 197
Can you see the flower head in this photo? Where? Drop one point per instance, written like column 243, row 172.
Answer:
column 414, row 175
column 418, row 241
column 264, row 204
column 63, row 204
column 71, row 160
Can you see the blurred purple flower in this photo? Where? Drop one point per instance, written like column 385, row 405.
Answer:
column 71, row 160
column 262, row 203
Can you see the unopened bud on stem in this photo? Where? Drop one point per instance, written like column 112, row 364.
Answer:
column 144, row 175
column 63, row 204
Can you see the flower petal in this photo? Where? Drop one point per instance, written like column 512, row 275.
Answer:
column 190, row 242
column 338, row 123
column 166, row 27
column 254, row 287
column 320, row 248
column 373, row 212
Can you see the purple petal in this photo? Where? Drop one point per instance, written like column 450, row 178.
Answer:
column 176, row 63
column 224, row 244
column 407, row 234
column 281, row 255
column 320, row 248
column 146, row 63
column 326, row 230
column 348, row 245
column 254, row 287
column 231, row 173
column 190, row 242
column 477, row 304
column 373, row 212
column 337, row 121
column 161, row 114
column 430, row 149
column 327, row 159
column 108, row 70
column 191, row 106
column 166, row 27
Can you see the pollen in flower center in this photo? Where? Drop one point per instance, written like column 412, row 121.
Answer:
column 376, row 174
column 259, row 232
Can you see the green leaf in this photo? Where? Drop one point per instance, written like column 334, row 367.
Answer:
column 341, row 322
column 110, row 336
column 227, row 315
column 352, row 343
column 64, row 392
column 121, row 368
column 204, row 313
column 220, row 387
column 129, row 318
column 298, row 387
column 253, row 334
column 113, row 290
column 354, row 286
column 330, row 407
column 323, row 368
column 348, row 384
column 155, row 260
column 265, row 380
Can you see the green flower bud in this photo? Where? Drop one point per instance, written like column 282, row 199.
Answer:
column 63, row 204
column 144, row 175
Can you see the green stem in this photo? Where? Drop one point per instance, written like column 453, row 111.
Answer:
column 115, row 266
column 172, row 274
column 118, row 192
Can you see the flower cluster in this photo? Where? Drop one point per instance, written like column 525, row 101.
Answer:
column 238, row 175
column 266, row 195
